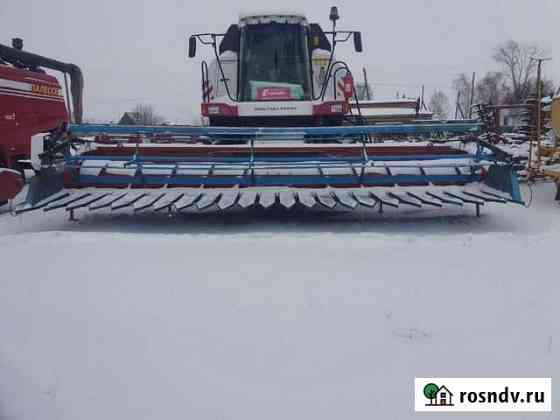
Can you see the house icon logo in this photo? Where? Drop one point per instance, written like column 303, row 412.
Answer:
column 439, row 396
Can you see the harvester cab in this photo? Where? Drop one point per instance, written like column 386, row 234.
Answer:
column 276, row 69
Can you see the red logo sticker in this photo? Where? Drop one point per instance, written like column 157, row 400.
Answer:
column 273, row 93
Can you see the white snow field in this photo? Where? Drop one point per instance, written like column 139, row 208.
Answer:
column 272, row 316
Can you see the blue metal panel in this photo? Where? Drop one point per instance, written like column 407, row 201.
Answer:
column 286, row 180
column 256, row 132
column 244, row 160
column 504, row 178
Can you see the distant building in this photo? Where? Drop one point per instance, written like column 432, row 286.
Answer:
column 128, row 118
column 401, row 110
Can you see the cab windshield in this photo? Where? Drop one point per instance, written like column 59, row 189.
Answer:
column 274, row 63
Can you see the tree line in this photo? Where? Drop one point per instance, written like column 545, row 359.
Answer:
column 513, row 81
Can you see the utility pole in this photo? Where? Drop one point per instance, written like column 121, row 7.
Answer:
column 471, row 102
column 539, row 110
column 458, row 109
column 366, row 84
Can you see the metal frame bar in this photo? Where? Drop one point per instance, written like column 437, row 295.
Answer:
column 281, row 132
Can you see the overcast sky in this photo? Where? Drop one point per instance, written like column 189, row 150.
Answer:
column 134, row 51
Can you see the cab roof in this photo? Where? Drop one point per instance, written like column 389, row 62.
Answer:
column 268, row 16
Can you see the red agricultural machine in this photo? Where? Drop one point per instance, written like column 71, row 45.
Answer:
column 31, row 102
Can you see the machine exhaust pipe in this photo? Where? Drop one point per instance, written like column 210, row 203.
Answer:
column 23, row 59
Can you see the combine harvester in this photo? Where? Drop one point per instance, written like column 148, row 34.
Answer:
column 275, row 102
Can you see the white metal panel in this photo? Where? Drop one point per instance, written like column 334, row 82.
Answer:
column 107, row 201
column 326, row 199
column 187, row 200
column 287, row 199
column 364, row 198
column 208, row 199
column 274, row 108
column 267, row 198
column 130, row 199
column 248, row 198
column 346, row 199
column 228, row 199
column 167, row 201
column 148, row 201
column 306, row 198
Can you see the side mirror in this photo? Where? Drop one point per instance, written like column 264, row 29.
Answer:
column 358, row 42
column 334, row 16
column 192, row 46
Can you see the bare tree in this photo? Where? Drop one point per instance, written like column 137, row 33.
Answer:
column 363, row 91
column 520, row 68
column 439, row 104
column 462, row 86
column 548, row 87
column 493, row 88
column 145, row 115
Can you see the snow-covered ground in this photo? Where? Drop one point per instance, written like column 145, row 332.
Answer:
column 271, row 316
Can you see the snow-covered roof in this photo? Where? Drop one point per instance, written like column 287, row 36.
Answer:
column 267, row 16
column 392, row 101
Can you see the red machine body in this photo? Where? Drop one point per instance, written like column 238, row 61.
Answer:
column 30, row 103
